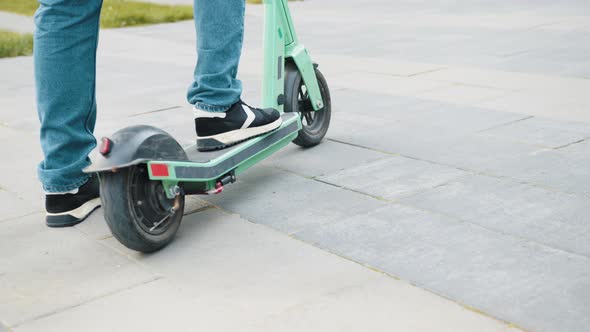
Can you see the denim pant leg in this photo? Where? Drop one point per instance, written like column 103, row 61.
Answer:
column 65, row 59
column 220, row 29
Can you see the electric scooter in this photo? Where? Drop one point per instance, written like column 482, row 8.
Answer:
column 145, row 173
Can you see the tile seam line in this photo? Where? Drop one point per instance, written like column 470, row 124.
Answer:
column 397, row 278
column 524, row 118
column 154, row 111
column 373, row 269
column 475, row 172
column 492, row 230
column 397, row 201
column 66, row 308
column 572, row 143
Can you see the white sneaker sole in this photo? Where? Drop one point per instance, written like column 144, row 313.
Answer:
column 239, row 135
column 81, row 212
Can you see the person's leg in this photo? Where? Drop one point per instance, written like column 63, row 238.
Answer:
column 65, row 43
column 221, row 118
column 219, row 25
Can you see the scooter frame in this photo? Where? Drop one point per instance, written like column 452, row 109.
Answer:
column 280, row 45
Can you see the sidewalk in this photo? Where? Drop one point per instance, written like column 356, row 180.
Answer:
column 455, row 176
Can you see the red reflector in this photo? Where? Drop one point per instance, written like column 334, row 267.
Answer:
column 159, row 170
column 105, row 146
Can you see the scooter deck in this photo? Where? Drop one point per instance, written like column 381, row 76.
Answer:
column 207, row 166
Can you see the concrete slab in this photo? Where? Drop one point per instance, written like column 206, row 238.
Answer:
column 16, row 23
column 462, row 94
column 19, row 176
column 543, row 286
column 264, row 281
column 393, row 177
column 539, row 104
column 542, row 132
column 326, row 158
column 536, row 214
column 49, row 270
column 288, row 202
column 564, row 169
column 13, row 206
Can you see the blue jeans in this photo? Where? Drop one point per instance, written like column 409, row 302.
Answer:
column 66, row 37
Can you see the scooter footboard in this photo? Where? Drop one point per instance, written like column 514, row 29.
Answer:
column 211, row 166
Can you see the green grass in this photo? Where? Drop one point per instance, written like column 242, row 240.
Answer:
column 15, row 44
column 116, row 13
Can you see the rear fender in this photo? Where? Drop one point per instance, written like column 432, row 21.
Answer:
column 135, row 145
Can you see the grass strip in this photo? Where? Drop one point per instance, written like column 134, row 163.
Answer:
column 15, row 44
column 116, row 13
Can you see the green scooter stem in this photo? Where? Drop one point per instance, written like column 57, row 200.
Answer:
column 280, row 45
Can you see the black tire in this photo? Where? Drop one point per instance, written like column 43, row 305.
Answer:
column 132, row 203
column 315, row 123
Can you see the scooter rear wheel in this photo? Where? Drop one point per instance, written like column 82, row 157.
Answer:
column 315, row 123
column 137, row 210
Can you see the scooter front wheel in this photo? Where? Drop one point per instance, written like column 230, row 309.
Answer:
column 314, row 123
column 137, row 210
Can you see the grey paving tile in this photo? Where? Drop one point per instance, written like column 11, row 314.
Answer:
column 45, row 270
column 222, row 266
column 464, row 151
column 289, row 202
column 545, row 216
column 16, row 72
column 393, row 177
column 13, row 206
column 542, row 132
column 326, row 158
column 352, row 310
column 4, row 328
column 564, row 169
column 534, row 286
column 19, row 176
column 17, row 23
column 95, row 226
column 238, row 266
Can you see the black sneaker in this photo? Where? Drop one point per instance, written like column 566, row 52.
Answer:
column 239, row 123
column 65, row 210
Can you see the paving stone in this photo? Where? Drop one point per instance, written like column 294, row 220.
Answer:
column 4, row 328
column 393, row 177
column 17, row 23
column 328, row 157
column 95, row 226
column 13, row 206
column 16, row 72
column 398, row 120
column 223, row 259
column 386, row 84
column 534, row 286
column 509, row 80
column 48, row 270
column 540, row 104
column 352, row 310
column 537, row 214
column 564, row 169
column 542, row 132
column 462, row 94
column 289, row 202
column 19, row 176
column 279, row 284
